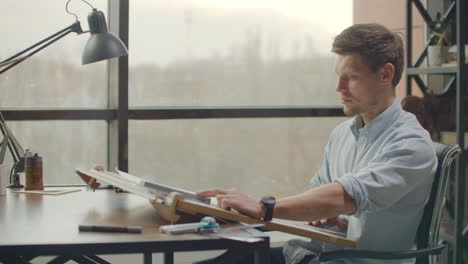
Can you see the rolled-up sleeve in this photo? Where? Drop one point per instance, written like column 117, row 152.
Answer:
column 404, row 165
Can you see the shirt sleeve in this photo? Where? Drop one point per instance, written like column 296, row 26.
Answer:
column 399, row 169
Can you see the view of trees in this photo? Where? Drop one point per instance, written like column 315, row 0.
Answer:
column 250, row 74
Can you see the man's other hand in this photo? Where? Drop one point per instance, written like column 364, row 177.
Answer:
column 231, row 198
column 335, row 221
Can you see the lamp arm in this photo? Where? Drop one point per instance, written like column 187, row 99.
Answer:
column 5, row 135
column 16, row 152
column 5, row 63
column 13, row 60
column 14, row 149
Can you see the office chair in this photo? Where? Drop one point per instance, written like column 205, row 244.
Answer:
column 427, row 237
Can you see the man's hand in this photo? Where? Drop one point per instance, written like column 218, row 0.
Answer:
column 335, row 221
column 231, row 198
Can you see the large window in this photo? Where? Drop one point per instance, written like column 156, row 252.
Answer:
column 63, row 146
column 188, row 55
column 187, row 58
column 54, row 77
column 234, row 52
column 51, row 80
column 259, row 156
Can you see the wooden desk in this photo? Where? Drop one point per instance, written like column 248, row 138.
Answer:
column 37, row 225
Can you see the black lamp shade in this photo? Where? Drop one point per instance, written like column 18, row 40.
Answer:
column 102, row 45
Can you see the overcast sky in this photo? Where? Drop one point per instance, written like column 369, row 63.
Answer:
column 162, row 31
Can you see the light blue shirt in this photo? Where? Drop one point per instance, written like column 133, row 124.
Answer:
column 387, row 167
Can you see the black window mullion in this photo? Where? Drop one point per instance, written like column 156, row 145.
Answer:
column 191, row 113
column 66, row 114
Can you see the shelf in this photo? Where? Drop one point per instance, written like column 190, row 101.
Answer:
column 455, row 14
column 432, row 70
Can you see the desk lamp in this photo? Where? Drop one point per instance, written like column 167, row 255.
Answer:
column 102, row 45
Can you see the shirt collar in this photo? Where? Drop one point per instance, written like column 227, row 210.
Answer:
column 378, row 124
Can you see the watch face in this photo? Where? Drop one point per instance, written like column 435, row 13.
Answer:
column 268, row 200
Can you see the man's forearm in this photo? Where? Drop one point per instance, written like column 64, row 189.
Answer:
column 322, row 202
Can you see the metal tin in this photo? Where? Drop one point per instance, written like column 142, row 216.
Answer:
column 33, row 173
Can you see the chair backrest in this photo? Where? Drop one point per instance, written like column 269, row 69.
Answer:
column 428, row 230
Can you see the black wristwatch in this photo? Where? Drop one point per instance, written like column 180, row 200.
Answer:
column 269, row 204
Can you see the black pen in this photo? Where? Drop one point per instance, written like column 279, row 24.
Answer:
column 112, row 229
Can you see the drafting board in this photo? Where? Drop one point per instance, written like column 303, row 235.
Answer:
column 169, row 201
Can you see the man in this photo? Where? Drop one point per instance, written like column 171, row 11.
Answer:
column 378, row 167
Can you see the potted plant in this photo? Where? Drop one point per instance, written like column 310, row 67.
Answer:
column 437, row 49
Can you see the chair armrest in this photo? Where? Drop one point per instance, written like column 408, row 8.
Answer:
column 370, row 254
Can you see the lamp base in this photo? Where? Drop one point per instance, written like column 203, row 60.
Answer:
column 16, row 182
column 15, row 186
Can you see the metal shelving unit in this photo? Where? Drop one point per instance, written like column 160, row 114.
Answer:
column 431, row 70
column 457, row 11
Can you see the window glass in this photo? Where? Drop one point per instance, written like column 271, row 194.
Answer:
column 234, row 52
column 54, row 77
column 259, row 156
column 63, row 146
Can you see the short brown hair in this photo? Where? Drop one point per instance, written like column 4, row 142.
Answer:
column 375, row 43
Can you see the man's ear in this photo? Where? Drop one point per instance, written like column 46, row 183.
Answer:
column 387, row 72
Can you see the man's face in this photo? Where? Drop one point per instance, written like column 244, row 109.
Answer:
column 360, row 88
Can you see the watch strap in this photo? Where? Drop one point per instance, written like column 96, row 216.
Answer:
column 268, row 213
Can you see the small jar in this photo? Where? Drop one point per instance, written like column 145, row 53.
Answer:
column 33, row 172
